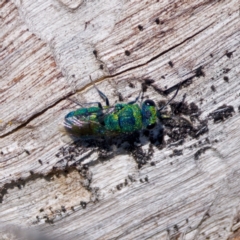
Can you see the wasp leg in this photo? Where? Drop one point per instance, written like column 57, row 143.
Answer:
column 175, row 94
column 75, row 101
column 98, row 103
column 136, row 99
column 103, row 96
column 84, row 104
column 180, row 104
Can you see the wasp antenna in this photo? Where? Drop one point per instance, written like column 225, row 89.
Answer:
column 160, row 109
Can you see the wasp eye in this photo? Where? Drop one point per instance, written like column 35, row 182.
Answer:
column 150, row 126
column 149, row 103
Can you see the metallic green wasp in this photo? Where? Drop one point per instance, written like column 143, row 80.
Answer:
column 122, row 118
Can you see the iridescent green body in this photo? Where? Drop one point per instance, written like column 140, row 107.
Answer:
column 122, row 118
column 110, row 121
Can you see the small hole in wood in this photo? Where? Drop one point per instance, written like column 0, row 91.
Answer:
column 140, row 27
column 95, row 53
column 127, row 53
column 170, row 63
column 229, row 54
column 226, row 79
column 213, row 88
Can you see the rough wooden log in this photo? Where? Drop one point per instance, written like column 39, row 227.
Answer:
column 187, row 186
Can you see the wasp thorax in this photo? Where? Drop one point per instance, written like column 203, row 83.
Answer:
column 149, row 114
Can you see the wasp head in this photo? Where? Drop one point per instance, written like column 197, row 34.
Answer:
column 149, row 114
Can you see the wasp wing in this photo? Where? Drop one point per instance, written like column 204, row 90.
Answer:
column 87, row 124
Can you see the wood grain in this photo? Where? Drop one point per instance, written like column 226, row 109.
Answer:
column 184, row 191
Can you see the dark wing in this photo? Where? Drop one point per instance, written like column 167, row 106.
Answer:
column 87, row 126
column 82, row 126
column 91, row 125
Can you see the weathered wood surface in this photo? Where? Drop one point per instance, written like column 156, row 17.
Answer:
column 47, row 55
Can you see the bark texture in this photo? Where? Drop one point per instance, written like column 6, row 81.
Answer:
column 187, row 187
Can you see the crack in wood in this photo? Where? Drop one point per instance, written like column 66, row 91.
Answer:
column 34, row 116
column 107, row 77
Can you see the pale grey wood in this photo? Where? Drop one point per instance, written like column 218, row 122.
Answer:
column 48, row 51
